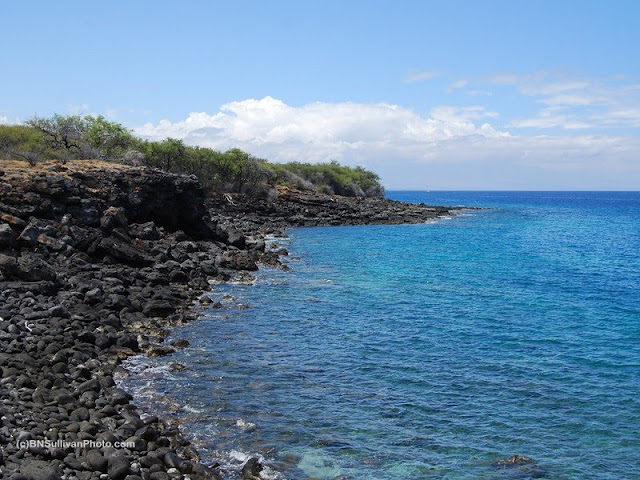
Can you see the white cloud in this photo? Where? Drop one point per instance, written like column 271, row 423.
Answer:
column 516, row 162
column 551, row 117
column 458, row 84
column 589, row 102
column 554, row 87
column 453, row 147
column 417, row 76
column 569, row 100
column 625, row 116
column 450, row 114
column 4, row 120
column 322, row 131
column 478, row 93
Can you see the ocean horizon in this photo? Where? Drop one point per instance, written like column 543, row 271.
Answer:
column 425, row 351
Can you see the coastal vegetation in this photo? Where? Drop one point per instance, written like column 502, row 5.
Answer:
column 233, row 171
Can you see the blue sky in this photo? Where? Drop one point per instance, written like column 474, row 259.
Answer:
column 432, row 95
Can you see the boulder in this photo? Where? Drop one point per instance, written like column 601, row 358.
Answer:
column 85, row 215
column 231, row 235
column 8, row 266
column 118, row 467
column 236, row 260
column 158, row 308
column 114, row 217
column 144, row 231
column 29, row 235
column 6, row 235
column 159, row 351
column 50, row 242
column 12, row 220
column 124, row 252
column 251, row 469
column 32, row 268
column 39, row 470
column 97, row 461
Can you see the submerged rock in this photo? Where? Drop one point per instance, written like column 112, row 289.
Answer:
column 520, row 467
column 251, row 469
column 513, row 461
column 159, row 350
column 177, row 367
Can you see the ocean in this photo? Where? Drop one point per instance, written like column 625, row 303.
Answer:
column 426, row 351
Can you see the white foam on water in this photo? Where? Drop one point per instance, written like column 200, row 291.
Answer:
column 188, row 408
column 269, row 474
column 245, row 426
column 164, row 369
column 238, row 456
column 235, row 459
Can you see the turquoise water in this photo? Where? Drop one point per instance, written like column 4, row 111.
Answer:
column 428, row 351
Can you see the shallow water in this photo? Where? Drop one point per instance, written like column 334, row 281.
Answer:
column 427, row 351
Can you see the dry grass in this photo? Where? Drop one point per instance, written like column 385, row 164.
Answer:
column 18, row 169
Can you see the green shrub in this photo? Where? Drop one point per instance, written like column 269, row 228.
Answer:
column 331, row 178
column 73, row 136
column 19, row 142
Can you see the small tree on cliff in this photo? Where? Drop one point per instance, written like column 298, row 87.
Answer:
column 63, row 134
column 75, row 136
column 169, row 155
column 243, row 171
column 109, row 139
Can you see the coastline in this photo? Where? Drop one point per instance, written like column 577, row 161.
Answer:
column 97, row 261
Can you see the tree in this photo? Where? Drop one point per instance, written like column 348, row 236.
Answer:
column 243, row 170
column 108, row 139
column 75, row 136
column 170, row 154
column 63, row 134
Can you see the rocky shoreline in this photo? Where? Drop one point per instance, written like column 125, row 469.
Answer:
column 97, row 260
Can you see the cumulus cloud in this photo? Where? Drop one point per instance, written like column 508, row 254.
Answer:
column 322, row 131
column 453, row 147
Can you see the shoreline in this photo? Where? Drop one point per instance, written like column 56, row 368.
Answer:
column 97, row 260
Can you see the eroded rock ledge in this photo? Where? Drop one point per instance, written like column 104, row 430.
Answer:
column 292, row 208
column 96, row 260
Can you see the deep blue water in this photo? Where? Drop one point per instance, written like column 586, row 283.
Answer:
column 428, row 351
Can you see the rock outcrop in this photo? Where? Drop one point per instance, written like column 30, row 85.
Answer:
column 96, row 260
column 294, row 208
